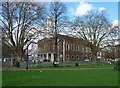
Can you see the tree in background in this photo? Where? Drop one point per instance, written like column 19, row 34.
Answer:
column 58, row 14
column 95, row 30
column 18, row 22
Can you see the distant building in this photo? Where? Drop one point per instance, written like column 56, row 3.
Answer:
column 69, row 49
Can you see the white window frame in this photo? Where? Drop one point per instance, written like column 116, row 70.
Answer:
column 78, row 57
column 67, row 57
column 45, row 47
column 67, row 46
column 77, row 47
column 73, row 57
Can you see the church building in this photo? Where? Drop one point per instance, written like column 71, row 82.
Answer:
column 68, row 48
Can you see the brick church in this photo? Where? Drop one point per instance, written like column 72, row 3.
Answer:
column 68, row 48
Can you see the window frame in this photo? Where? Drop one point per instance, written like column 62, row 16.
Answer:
column 67, row 56
column 72, row 47
column 78, row 57
column 45, row 47
column 67, row 46
column 72, row 56
column 77, row 47
column 82, row 48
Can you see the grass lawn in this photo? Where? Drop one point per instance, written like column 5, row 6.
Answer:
column 86, row 77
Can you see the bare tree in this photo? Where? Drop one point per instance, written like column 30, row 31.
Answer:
column 95, row 30
column 18, row 22
column 58, row 14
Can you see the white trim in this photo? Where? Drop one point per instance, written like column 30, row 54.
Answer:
column 58, row 57
column 52, row 57
column 47, row 56
column 63, row 50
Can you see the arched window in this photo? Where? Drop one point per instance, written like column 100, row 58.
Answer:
column 86, row 49
column 45, row 47
column 72, row 57
column 53, row 46
column 81, row 57
column 67, row 57
column 72, row 47
column 77, row 57
column 67, row 46
column 82, row 49
column 77, row 47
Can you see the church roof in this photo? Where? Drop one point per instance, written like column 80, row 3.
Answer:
column 62, row 37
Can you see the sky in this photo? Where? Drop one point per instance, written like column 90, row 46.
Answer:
column 80, row 8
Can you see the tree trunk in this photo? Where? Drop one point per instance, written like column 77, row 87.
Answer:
column 55, row 59
column 94, row 56
column 12, row 62
column 15, row 59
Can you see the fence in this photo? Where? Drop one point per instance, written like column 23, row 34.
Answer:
column 23, row 64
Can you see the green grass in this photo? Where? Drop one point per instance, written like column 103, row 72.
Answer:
column 92, row 77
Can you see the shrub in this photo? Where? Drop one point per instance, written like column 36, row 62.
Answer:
column 55, row 64
column 17, row 64
column 68, row 66
column 76, row 64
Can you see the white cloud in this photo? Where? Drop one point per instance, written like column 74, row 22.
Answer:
column 83, row 8
column 115, row 23
column 102, row 8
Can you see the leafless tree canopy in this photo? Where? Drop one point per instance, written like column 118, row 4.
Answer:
column 18, row 21
column 95, row 29
column 58, row 14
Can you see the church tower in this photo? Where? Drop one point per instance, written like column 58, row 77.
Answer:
column 49, row 27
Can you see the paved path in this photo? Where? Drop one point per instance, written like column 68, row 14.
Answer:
column 18, row 69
